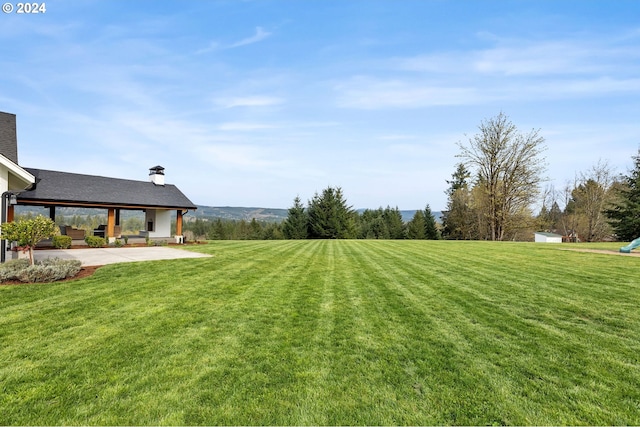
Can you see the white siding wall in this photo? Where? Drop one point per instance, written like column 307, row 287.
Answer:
column 4, row 178
column 161, row 222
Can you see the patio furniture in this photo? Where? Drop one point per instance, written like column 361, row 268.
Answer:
column 74, row 233
column 101, row 231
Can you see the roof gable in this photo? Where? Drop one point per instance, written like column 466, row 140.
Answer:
column 19, row 178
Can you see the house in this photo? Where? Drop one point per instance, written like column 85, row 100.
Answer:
column 51, row 189
column 543, row 237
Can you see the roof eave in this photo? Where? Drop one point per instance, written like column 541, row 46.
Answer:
column 104, row 205
column 22, row 175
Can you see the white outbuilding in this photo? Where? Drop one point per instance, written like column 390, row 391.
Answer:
column 542, row 237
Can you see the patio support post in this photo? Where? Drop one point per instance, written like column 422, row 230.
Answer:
column 179, row 222
column 10, row 213
column 52, row 213
column 111, row 223
column 8, row 199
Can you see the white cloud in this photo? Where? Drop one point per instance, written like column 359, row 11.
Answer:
column 370, row 93
column 563, row 88
column 512, row 57
column 510, row 70
column 543, row 71
column 212, row 47
column 233, row 156
column 535, row 59
column 245, row 126
column 257, row 37
column 452, row 62
column 249, row 101
column 396, row 137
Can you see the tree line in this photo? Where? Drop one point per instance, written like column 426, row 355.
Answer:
column 326, row 216
column 329, row 216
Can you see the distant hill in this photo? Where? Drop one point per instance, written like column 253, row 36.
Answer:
column 223, row 212
column 270, row 214
column 238, row 213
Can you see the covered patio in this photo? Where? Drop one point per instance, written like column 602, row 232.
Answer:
column 159, row 201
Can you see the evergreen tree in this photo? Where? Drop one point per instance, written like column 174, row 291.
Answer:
column 200, row 228
column 395, row 225
column 625, row 214
column 330, row 217
column 417, row 226
column 296, row 224
column 555, row 216
column 255, row 228
column 430, row 227
column 372, row 225
column 216, row 230
column 459, row 179
column 459, row 220
column 378, row 229
column 381, row 224
column 273, row 231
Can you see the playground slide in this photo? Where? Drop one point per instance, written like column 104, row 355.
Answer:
column 630, row 246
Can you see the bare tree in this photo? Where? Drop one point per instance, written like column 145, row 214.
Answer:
column 509, row 171
column 570, row 217
column 592, row 196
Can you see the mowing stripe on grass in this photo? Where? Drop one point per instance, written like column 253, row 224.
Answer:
column 330, row 332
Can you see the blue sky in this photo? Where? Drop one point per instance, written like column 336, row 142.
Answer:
column 250, row 103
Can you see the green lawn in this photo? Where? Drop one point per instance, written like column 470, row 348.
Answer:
column 330, row 332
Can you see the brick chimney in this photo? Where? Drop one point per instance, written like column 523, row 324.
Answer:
column 8, row 137
column 156, row 175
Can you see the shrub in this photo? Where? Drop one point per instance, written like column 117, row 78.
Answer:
column 95, row 241
column 28, row 232
column 48, row 270
column 61, row 242
column 10, row 269
column 118, row 243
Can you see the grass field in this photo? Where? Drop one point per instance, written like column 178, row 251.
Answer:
column 330, row 332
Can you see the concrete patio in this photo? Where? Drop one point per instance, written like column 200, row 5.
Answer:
column 102, row 256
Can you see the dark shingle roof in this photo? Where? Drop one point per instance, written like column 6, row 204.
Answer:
column 8, row 136
column 70, row 188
